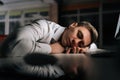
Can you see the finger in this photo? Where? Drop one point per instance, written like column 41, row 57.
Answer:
column 73, row 24
column 74, row 50
column 76, row 24
column 77, row 50
column 68, row 50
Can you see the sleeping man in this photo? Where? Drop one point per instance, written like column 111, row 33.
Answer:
column 46, row 37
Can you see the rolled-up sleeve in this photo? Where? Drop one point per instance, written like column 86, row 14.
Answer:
column 42, row 47
column 24, row 47
column 27, row 39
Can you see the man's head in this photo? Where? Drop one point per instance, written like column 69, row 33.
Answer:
column 79, row 35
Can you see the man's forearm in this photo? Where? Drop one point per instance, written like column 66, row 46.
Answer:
column 57, row 48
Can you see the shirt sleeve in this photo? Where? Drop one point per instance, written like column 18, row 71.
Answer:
column 25, row 40
column 24, row 47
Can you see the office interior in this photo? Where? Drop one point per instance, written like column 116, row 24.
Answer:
column 103, row 14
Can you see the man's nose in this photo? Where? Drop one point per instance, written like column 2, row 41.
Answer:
column 75, row 42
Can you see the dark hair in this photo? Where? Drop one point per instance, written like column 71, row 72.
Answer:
column 91, row 28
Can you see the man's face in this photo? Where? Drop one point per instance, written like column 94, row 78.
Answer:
column 76, row 36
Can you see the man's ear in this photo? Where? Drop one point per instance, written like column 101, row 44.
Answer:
column 74, row 24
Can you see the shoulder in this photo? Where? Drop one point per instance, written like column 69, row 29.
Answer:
column 43, row 21
column 48, row 24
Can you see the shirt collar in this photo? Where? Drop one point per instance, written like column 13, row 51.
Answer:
column 58, row 33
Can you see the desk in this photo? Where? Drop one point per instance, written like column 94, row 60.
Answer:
column 100, row 65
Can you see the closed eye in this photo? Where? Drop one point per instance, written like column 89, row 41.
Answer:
column 80, row 35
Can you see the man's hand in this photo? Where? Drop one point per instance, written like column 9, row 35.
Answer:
column 76, row 50
column 57, row 48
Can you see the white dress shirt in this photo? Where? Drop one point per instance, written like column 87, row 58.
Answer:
column 32, row 39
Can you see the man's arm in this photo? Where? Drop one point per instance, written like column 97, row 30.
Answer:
column 56, row 48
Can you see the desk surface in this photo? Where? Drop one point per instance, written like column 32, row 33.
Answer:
column 102, row 65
